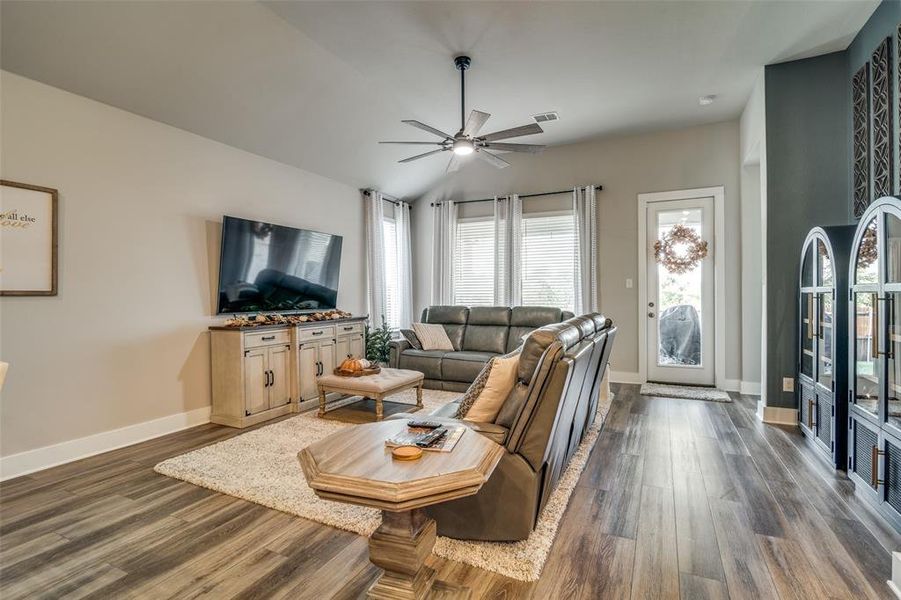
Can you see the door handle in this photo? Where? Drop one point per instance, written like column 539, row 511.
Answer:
column 271, row 378
column 318, row 368
column 650, row 315
column 266, row 373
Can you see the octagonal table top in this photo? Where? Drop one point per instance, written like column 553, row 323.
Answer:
column 354, row 466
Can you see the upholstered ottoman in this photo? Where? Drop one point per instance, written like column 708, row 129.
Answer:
column 376, row 387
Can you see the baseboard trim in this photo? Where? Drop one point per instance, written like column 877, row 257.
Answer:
column 23, row 463
column 731, row 385
column 625, row 377
column 750, row 388
column 778, row 415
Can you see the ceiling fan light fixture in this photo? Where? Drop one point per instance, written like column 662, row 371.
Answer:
column 463, row 147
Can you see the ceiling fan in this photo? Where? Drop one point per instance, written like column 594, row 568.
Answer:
column 467, row 141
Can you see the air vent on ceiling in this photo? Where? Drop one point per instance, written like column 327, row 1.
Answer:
column 545, row 117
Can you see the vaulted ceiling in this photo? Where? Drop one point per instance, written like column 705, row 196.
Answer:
column 318, row 84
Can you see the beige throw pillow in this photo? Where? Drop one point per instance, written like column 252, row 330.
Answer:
column 432, row 336
column 501, row 380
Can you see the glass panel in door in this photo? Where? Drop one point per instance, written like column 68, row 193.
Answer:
column 825, row 335
column 865, row 267
column 892, row 248
column 679, row 299
column 807, row 268
column 893, row 356
column 807, row 334
column 867, row 362
column 824, row 270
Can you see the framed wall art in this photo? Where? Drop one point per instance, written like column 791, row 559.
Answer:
column 28, row 239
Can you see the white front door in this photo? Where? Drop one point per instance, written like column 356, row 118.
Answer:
column 680, row 305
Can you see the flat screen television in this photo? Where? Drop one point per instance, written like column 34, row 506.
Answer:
column 272, row 268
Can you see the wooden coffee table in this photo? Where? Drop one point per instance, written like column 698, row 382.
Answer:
column 377, row 387
column 354, row 466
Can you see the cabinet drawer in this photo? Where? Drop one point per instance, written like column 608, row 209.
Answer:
column 267, row 338
column 307, row 334
column 350, row 329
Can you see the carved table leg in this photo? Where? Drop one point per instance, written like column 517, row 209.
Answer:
column 379, row 408
column 400, row 546
column 321, row 402
column 419, row 395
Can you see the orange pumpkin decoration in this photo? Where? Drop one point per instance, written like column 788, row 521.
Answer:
column 351, row 365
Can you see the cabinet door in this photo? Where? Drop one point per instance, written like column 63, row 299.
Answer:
column 256, row 379
column 327, row 356
column 308, row 369
column 808, row 407
column 867, row 356
column 808, row 334
column 824, row 339
column 863, row 467
column 342, row 349
column 356, row 347
column 279, row 359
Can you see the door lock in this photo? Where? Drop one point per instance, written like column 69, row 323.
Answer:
column 650, row 315
column 651, row 304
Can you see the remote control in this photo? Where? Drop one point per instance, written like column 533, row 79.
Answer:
column 424, row 424
column 429, row 439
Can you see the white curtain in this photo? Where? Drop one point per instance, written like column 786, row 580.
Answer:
column 444, row 232
column 586, row 250
column 507, row 244
column 404, row 265
column 375, row 256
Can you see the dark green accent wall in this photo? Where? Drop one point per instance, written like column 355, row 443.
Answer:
column 807, row 130
column 808, row 148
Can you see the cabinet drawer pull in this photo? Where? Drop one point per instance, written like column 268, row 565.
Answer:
column 875, row 482
column 267, row 338
column 318, row 332
column 348, row 328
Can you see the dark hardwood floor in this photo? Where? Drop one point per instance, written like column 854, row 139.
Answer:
column 680, row 498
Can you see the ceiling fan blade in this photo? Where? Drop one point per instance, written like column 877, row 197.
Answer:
column 425, row 127
column 494, row 159
column 533, row 148
column 514, row 132
column 417, row 143
column 454, row 164
column 475, row 121
column 423, row 155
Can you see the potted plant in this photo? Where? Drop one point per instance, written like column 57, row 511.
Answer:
column 377, row 343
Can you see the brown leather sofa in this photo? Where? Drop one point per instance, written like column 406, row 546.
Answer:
column 541, row 424
column 477, row 334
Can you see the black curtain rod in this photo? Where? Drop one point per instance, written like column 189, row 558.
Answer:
column 597, row 187
column 393, row 201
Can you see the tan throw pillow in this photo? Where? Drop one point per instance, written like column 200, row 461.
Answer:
column 501, row 380
column 432, row 337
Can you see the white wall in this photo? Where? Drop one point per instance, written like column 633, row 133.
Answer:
column 753, row 233
column 694, row 157
column 141, row 203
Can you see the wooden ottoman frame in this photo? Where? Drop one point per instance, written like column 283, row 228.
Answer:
column 368, row 386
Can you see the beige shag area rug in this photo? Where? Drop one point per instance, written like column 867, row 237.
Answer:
column 261, row 466
column 684, row 391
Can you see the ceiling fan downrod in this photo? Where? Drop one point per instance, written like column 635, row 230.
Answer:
column 462, row 63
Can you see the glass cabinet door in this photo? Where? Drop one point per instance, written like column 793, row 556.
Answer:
column 893, row 358
column 867, row 362
column 825, row 335
column 807, row 268
column 866, row 268
column 824, row 265
column 892, row 249
column 807, row 333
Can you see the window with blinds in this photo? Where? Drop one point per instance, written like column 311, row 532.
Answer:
column 474, row 263
column 548, row 260
column 392, row 300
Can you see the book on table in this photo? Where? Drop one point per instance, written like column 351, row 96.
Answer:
column 410, row 435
